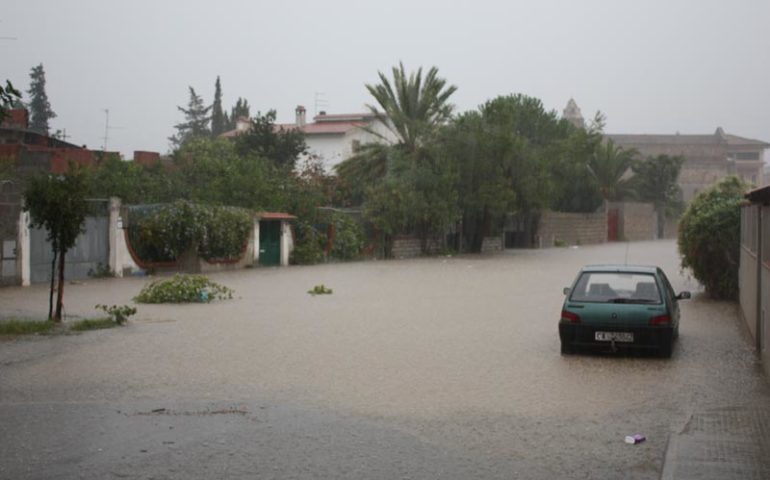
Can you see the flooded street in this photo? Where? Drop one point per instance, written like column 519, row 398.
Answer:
column 444, row 367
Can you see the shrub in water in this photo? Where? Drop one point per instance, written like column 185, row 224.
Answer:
column 183, row 289
column 320, row 290
column 118, row 313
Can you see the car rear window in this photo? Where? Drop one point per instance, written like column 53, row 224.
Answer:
column 616, row 287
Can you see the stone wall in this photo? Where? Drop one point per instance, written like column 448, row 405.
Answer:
column 406, row 246
column 638, row 221
column 492, row 244
column 571, row 228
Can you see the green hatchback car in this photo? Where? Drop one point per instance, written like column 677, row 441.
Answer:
column 620, row 307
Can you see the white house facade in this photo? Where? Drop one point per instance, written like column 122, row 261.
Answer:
column 332, row 138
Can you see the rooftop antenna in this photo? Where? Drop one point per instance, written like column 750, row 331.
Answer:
column 107, row 129
column 319, row 101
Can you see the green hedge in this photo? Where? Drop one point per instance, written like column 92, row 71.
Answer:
column 161, row 233
column 709, row 238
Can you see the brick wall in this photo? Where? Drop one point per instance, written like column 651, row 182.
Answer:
column 146, row 159
column 571, row 228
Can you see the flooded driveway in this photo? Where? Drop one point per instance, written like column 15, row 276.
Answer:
column 428, row 368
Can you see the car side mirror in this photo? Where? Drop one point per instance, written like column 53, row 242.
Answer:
column 566, row 290
column 683, row 296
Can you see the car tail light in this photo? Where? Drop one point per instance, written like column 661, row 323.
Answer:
column 567, row 316
column 660, row 320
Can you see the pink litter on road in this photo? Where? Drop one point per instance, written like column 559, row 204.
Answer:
column 634, row 439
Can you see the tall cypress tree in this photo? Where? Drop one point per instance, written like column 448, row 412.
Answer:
column 39, row 106
column 196, row 124
column 217, row 117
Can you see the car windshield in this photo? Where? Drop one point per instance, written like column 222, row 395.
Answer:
column 616, row 287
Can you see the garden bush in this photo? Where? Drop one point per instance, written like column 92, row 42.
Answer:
column 709, row 238
column 309, row 245
column 183, row 289
column 348, row 237
column 161, row 233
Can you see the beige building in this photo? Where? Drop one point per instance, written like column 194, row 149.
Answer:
column 708, row 158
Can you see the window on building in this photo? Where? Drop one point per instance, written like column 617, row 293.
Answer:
column 747, row 156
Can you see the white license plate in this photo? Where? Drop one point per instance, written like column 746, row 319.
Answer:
column 626, row 337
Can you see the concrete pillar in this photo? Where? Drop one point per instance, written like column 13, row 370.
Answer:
column 116, row 230
column 256, row 240
column 23, row 250
column 285, row 241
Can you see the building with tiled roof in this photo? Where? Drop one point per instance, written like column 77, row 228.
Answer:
column 331, row 138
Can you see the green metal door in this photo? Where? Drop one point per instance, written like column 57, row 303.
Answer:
column 270, row 243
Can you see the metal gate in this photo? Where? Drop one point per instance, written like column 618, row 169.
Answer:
column 91, row 249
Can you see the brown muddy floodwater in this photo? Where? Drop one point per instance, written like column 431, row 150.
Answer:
column 430, row 368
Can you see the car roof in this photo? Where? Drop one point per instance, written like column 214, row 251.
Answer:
column 620, row 268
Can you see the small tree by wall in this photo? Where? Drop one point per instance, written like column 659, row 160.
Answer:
column 709, row 238
column 58, row 204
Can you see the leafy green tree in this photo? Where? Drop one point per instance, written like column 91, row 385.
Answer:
column 217, row 116
column 279, row 145
column 134, row 183
column 214, row 172
column 418, row 198
column 412, row 107
column 609, row 166
column 39, row 106
column 8, row 97
column 363, row 171
column 58, row 204
column 655, row 180
column 196, row 124
column 709, row 237
column 575, row 189
column 504, row 154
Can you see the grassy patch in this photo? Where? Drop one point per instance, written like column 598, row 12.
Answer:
column 24, row 327
column 93, row 324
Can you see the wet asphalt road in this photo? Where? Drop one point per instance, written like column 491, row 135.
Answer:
column 430, row 368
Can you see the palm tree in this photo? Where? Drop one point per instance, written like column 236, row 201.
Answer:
column 608, row 166
column 412, row 107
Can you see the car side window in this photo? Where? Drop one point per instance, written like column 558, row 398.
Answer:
column 669, row 289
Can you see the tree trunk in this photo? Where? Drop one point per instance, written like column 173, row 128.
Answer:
column 60, row 293
column 53, row 283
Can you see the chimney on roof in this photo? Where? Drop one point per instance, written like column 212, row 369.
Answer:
column 300, row 114
column 242, row 124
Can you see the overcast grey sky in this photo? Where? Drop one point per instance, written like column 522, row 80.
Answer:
column 650, row 66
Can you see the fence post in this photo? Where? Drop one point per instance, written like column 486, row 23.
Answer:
column 115, row 260
column 23, row 249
